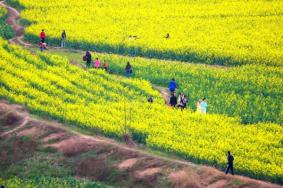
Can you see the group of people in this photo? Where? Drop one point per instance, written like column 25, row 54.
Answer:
column 43, row 44
column 182, row 100
column 96, row 63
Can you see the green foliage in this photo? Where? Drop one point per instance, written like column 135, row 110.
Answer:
column 5, row 30
column 50, row 182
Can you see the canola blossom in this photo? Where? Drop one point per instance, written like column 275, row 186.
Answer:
column 251, row 92
column 95, row 100
column 214, row 32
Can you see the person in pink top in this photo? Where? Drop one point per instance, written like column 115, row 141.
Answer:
column 96, row 63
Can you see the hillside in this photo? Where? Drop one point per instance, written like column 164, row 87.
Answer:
column 96, row 102
column 46, row 153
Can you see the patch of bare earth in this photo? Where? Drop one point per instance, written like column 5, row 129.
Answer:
column 104, row 159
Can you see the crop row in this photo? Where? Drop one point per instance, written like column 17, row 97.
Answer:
column 48, row 85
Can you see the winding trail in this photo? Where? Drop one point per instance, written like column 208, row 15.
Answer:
column 12, row 20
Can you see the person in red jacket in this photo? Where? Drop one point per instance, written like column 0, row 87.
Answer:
column 42, row 36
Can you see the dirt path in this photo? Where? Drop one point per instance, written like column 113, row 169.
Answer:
column 98, row 157
column 12, row 20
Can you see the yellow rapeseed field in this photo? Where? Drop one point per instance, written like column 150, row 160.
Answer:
column 215, row 32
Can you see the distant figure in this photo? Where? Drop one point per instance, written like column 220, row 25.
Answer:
column 173, row 100
column 198, row 106
column 230, row 160
column 42, row 46
column 167, row 36
column 182, row 101
column 133, row 37
column 203, row 106
column 88, row 58
column 128, row 69
column 96, row 63
column 105, row 65
column 172, row 85
column 63, row 38
column 150, row 99
column 42, row 36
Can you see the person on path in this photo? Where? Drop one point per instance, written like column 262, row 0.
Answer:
column 63, row 38
column 41, row 46
column 230, row 160
column 173, row 100
column 203, row 106
column 128, row 69
column 96, row 63
column 42, row 36
column 88, row 58
column 172, row 85
column 182, row 101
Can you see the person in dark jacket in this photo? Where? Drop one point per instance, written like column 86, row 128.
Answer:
column 63, row 38
column 172, row 85
column 230, row 160
column 88, row 59
column 128, row 70
column 173, row 100
column 150, row 99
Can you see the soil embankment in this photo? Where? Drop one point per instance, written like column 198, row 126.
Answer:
column 102, row 159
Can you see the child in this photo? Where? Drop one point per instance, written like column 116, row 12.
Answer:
column 105, row 65
column 96, row 63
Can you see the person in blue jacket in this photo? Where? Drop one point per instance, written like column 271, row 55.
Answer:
column 172, row 85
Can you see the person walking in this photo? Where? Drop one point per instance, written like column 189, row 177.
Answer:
column 182, row 101
column 42, row 36
column 173, row 100
column 128, row 69
column 88, row 58
column 172, row 85
column 63, row 38
column 230, row 160
column 203, row 106
column 96, row 63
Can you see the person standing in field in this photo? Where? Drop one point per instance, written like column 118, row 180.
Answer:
column 42, row 36
column 88, row 58
column 230, row 160
column 150, row 99
column 182, row 101
column 96, row 63
column 128, row 69
column 198, row 108
column 105, row 65
column 172, row 85
column 63, row 38
column 173, row 100
column 203, row 106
